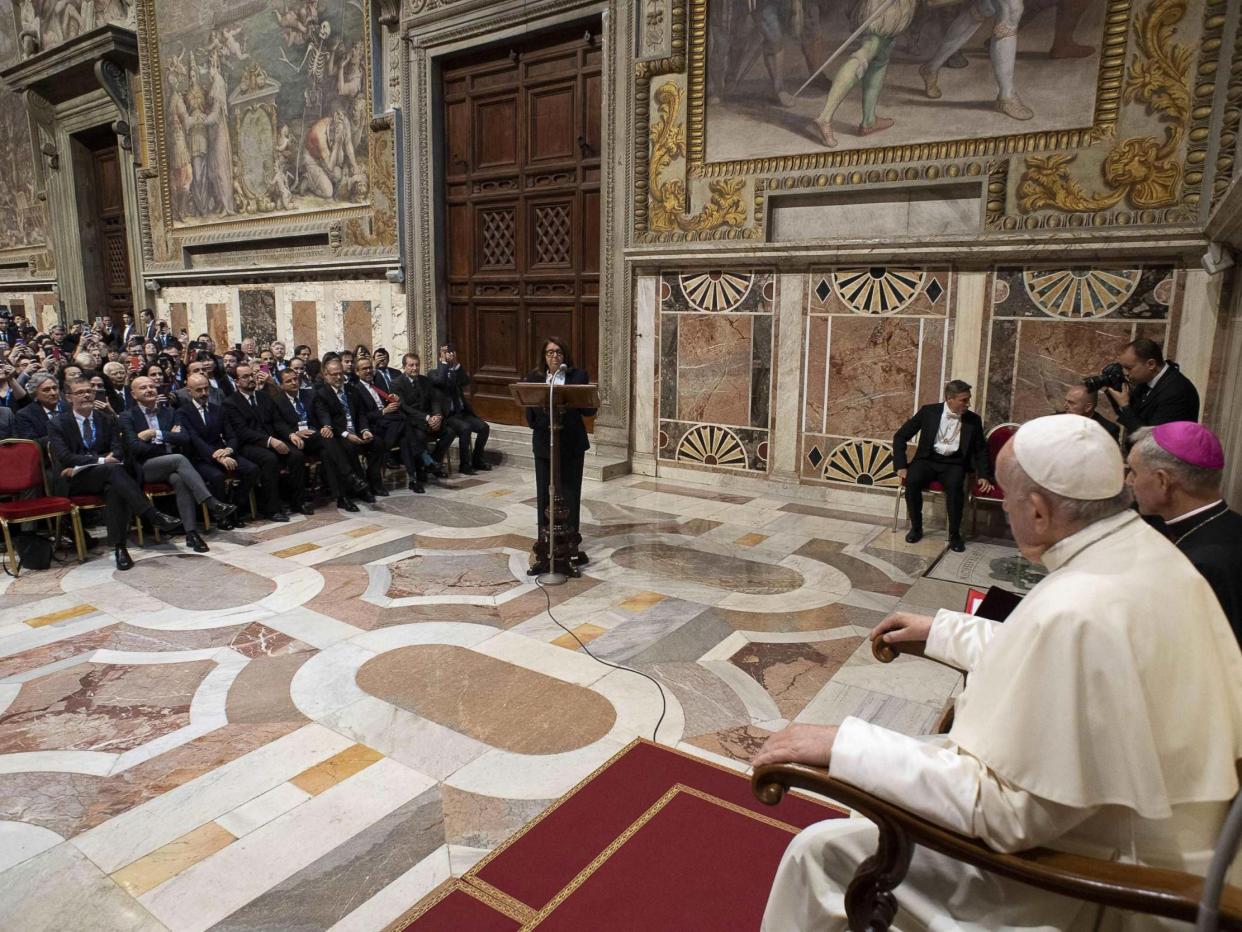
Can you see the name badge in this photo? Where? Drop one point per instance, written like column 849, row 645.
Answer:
column 302, row 425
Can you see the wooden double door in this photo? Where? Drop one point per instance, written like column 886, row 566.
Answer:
column 522, row 146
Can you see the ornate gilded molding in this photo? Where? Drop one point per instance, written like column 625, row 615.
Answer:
column 724, row 207
column 1200, row 130
column 1142, row 170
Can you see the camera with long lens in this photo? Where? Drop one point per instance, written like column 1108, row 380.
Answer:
column 1112, row 376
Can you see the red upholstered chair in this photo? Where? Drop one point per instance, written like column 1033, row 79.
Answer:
column 998, row 436
column 21, row 470
column 935, row 487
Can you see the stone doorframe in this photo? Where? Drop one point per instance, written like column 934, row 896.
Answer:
column 436, row 29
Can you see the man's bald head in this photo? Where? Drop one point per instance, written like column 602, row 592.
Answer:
column 144, row 390
column 199, row 387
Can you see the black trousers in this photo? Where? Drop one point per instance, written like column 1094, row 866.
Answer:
column 336, row 468
column 268, row 495
column 571, row 489
column 247, row 473
column 464, row 425
column 949, row 473
column 121, row 493
column 366, row 460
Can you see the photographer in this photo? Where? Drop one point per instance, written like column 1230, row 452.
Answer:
column 1148, row 390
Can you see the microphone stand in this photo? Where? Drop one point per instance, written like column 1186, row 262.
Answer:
column 553, row 577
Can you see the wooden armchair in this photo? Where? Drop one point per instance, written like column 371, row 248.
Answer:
column 869, row 901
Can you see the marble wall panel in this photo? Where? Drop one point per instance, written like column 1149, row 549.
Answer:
column 714, row 369
column 258, row 314
column 668, row 363
column 761, row 369
column 305, row 314
column 179, row 317
column 815, row 404
column 873, row 372
column 356, row 317
column 218, row 324
column 1051, row 355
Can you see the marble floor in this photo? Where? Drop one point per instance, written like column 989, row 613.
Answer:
column 317, row 723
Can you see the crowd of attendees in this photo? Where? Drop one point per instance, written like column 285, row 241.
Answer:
column 219, row 424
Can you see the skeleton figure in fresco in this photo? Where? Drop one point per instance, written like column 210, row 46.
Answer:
column 1003, row 49
column 882, row 22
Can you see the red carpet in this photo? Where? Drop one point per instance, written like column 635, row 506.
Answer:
column 653, row 840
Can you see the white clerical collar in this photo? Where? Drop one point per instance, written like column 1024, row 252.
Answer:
column 1063, row 550
column 1157, row 376
column 1197, row 511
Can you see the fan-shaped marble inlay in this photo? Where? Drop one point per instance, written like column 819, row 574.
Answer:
column 732, row 574
column 457, row 687
column 712, row 445
column 716, row 291
column 189, row 581
column 1077, row 293
column 862, row 462
column 878, row 290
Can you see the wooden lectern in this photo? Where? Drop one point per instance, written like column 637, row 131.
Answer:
column 556, row 543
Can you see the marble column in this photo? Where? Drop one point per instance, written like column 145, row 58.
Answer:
column 1224, row 404
column 1196, row 337
column 646, row 332
column 968, row 329
column 791, row 299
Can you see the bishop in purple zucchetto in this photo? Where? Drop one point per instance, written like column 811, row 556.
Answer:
column 1175, row 473
column 1191, row 443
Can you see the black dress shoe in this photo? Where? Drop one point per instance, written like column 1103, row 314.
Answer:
column 440, row 471
column 306, row 508
column 162, row 522
column 220, row 512
column 537, row 570
column 417, row 487
column 379, row 490
column 466, row 471
column 236, row 522
column 123, row 560
column 580, row 558
column 956, row 544
column 482, row 467
column 914, row 535
column 345, row 504
column 365, row 496
column 194, row 540
column 281, row 516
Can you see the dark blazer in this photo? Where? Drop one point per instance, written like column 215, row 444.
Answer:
column 362, row 400
column 330, row 413
column 205, row 439
column 926, row 422
column 574, row 440
column 452, row 383
column 419, row 399
column 250, row 424
column 134, row 421
column 386, row 377
column 68, row 449
column 285, row 416
column 1113, row 430
column 181, row 398
column 8, row 424
column 1174, row 398
column 32, row 420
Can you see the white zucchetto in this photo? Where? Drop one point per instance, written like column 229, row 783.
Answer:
column 1071, row 456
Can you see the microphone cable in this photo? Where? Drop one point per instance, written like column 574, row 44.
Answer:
column 663, row 699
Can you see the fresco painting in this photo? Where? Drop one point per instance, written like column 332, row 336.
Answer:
column 44, row 24
column 899, row 72
column 266, row 107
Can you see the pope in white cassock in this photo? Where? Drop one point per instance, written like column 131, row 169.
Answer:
column 1104, row 717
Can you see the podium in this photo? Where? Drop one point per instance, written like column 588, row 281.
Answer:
column 556, row 543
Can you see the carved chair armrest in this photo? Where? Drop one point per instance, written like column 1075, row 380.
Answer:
column 1149, row 890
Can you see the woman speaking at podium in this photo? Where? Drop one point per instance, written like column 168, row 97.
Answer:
column 558, row 369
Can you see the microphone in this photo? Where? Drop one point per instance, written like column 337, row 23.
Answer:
column 562, row 367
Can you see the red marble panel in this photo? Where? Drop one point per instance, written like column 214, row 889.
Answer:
column 816, row 372
column 357, row 323
column 872, row 367
column 713, row 368
column 1052, row 354
column 306, row 325
column 931, row 372
column 218, row 325
column 179, row 318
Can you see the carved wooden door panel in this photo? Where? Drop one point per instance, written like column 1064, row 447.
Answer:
column 522, row 193
column 114, row 260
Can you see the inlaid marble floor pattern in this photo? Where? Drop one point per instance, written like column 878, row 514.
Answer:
column 317, row 723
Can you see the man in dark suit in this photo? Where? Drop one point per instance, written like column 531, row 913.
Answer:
column 424, row 419
column 87, row 450
column 32, row 420
column 8, row 424
column 249, row 416
column 158, row 447
column 1155, row 391
column 385, row 375
column 213, row 450
column 951, row 444
column 182, row 398
column 1082, row 401
column 383, row 414
column 294, row 419
column 451, row 380
column 344, row 423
